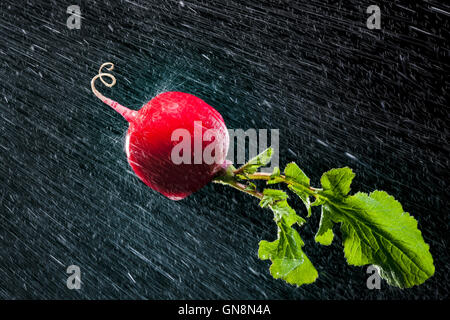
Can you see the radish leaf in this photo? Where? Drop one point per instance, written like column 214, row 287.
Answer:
column 289, row 262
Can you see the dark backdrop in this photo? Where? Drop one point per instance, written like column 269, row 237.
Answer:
column 375, row 100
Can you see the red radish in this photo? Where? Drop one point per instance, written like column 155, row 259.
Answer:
column 149, row 142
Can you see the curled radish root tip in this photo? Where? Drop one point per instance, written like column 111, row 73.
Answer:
column 100, row 76
column 128, row 114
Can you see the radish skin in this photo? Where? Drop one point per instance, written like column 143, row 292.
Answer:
column 149, row 144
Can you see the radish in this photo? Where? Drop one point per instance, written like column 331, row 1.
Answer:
column 149, row 140
column 373, row 226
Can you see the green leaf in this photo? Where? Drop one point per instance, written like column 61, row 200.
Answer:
column 336, row 182
column 289, row 262
column 317, row 202
column 325, row 233
column 299, row 179
column 276, row 172
column 277, row 201
column 303, row 195
column 282, row 209
column 260, row 160
column 295, row 174
column 377, row 231
column 270, row 196
column 275, row 177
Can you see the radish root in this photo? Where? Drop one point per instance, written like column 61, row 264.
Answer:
column 101, row 75
column 128, row 114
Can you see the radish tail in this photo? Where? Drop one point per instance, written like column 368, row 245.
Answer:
column 128, row 114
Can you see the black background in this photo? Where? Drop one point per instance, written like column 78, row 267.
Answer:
column 341, row 94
